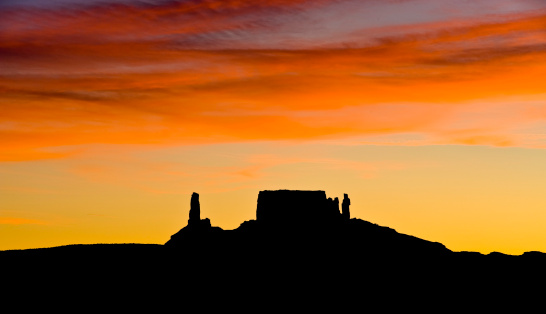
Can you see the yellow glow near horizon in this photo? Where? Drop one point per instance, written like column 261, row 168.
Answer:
column 468, row 198
column 112, row 114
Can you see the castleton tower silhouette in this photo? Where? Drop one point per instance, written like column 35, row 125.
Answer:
column 195, row 210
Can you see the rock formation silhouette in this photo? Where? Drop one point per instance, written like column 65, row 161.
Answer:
column 333, row 207
column 195, row 210
column 345, row 207
column 295, row 208
column 197, row 228
column 299, row 221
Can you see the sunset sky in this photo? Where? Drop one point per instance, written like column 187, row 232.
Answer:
column 430, row 114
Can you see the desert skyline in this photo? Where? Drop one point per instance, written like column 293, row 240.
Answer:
column 429, row 114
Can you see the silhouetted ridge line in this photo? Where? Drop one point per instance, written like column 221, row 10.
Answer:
column 303, row 226
column 299, row 243
column 304, row 223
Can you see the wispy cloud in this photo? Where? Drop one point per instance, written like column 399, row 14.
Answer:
column 187, row 72
column 20, row 221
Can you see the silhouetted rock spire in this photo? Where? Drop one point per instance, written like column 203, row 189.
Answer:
column 195, row 210
column 345, row 207
column 197, row 229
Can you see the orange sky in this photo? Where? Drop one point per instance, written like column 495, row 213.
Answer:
column 114, row 111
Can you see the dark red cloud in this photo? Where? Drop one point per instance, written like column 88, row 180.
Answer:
column 123, row 73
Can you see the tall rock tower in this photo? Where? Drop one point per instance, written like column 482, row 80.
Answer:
column 195, row 210
column 345, row 213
